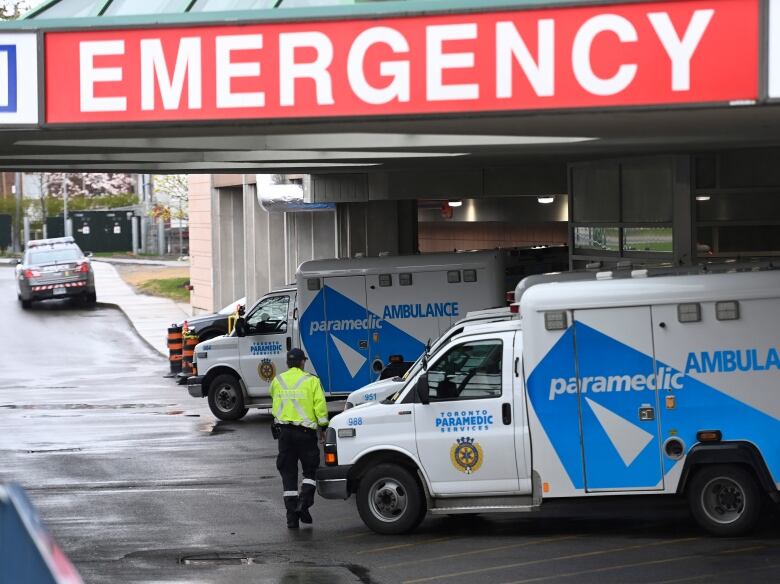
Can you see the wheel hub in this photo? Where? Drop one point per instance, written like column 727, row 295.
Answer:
column 388, row 500
column 225, row 399
column 723, row 500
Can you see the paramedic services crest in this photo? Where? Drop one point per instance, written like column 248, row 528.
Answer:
column 466, row 455
column 266, row 370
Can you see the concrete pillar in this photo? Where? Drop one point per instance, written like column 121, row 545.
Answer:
column 144, row 225
column 161, row 247
column 683, row 233
column 135, row 234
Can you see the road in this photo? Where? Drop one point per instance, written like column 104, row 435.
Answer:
column 139, row 483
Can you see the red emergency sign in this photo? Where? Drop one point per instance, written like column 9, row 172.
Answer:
column 639, row 54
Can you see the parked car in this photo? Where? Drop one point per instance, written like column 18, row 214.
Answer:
column 208, row 326
column 54, row 268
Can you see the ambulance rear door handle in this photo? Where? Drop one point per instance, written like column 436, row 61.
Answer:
column 506, row 414
column 289, row 343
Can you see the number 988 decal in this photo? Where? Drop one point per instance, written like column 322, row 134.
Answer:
column 355, row 421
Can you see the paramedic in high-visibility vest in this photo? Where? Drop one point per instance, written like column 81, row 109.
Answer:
column 299, row 411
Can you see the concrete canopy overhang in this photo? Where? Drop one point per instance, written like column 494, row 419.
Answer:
column 378, row 142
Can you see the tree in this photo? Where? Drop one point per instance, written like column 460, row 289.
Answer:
column 172, row 196
column 13, row 9
column 89, row 184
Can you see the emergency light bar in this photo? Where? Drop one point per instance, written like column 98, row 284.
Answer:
column 52, row 241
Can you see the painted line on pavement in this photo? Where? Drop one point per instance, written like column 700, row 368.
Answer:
column 482, row 551
column 624, row 566
column 545, row 560
column 405, row 545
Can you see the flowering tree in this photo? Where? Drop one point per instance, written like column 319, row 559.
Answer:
column 88, row 184
column 172, row 196
column 13, row 9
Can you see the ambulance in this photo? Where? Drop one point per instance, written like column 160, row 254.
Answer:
column 616, row 386
column 351, row 317
column 384, row 388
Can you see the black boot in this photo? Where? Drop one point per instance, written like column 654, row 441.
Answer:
column 291, row 504
column 304, row 514
column 306, row 500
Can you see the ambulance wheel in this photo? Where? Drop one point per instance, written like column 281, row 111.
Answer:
column 390, row 500
column 725, row 500
column 226, row 400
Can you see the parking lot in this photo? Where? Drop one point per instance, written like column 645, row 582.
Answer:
column 139, row 483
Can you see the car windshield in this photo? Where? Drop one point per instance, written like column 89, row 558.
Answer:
column 231, row 308
column 51, row 256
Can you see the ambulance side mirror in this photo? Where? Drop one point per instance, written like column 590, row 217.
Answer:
column 423, row 390
column 240, row 327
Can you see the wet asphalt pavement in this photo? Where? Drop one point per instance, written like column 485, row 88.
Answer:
column 139, row 483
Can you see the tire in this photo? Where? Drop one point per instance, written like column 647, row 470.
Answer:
column 88, row 299
column 26, row 304
column 226, row 400
column 725, row 500
column 390, row 500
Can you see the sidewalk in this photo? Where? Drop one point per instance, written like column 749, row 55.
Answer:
column 149, row 315
column 145, row 262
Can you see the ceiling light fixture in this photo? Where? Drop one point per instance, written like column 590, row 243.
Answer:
column 703, row 198
column 546, row 200
column 455, row 203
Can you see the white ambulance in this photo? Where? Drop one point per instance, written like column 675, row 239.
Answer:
column 666, row 385
column 350, row 316
column 384, row 388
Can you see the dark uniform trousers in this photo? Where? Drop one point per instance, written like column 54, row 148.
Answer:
column 297, row 444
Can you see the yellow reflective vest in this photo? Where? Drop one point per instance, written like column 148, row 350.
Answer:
column 298, row 399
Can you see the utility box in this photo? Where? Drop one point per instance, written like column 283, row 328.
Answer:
column 5, row 231
column 97, row 231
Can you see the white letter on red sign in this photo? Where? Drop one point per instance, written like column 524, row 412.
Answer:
column 681, row 51
column 540, row 73
column 581, row 54
column 153, row 66
column 399, row 88
column 90, row 75
column 437, row 61
column 227, row 71
column 317, row 70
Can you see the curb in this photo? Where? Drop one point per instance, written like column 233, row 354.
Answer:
column 132, row 326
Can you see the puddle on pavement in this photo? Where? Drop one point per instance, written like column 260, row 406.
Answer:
column 53, row 450
column 214, row 428
column 82, row 406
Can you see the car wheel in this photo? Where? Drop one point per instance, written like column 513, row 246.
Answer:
column 725, row 500
column 26, row 304
column 390, row 500
column 226, row 400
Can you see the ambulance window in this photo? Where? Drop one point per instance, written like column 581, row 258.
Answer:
column 453, row 277
column 405, row 279
column 269, row 316
column 468, row 371
column 385, row 280
column 690, row 312
column 727, row 310
column 313, row 284
column 469, row 275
